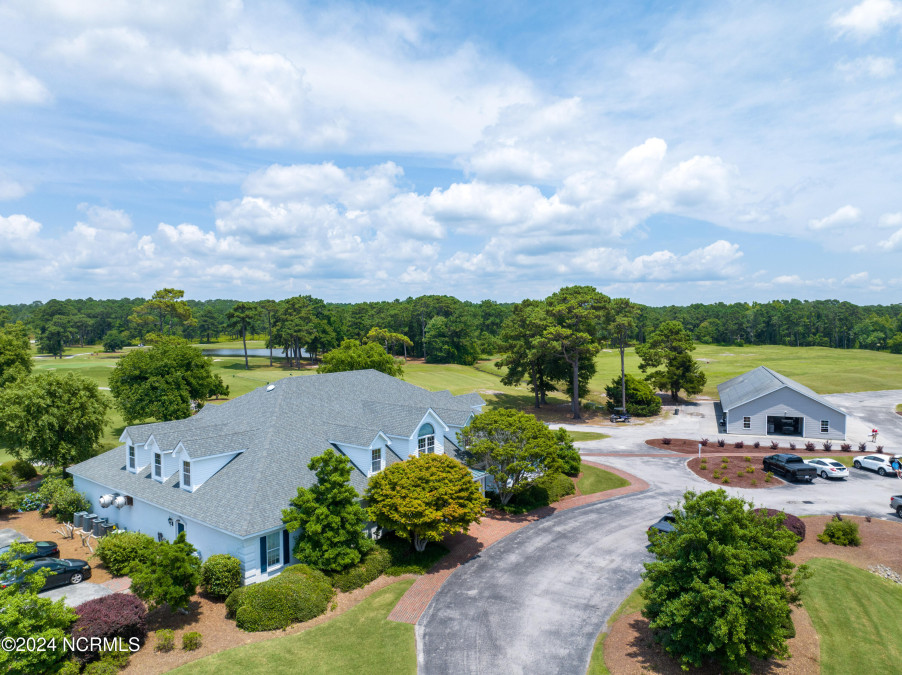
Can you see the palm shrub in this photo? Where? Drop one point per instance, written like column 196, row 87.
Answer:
column 191, row 641
column 721, row 442
column 841, row 533
column 220, row 575
column 862, row 447
column 119, row 551
column 704, row 442
column 828, row 446
column 846, row 447
column 809, row 446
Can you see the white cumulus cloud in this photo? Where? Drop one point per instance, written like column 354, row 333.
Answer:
column 845, row 215
column 17, row 85
column 868, row 18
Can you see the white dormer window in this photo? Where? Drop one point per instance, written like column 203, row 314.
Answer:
column 131, row 457
column 186, row 474
column 426, row 440
column 157, row 465
column 376, row 464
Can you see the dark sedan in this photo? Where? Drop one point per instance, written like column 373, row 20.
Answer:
column 43, row 549
column 62, row 572
column 665, row 524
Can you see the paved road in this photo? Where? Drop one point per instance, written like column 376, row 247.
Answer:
column 535, row 601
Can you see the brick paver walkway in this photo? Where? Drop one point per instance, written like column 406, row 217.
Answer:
column 495, row 525
column 118, row 585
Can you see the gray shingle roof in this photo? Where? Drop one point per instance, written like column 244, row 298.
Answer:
column 279, row 431
column 760, row 382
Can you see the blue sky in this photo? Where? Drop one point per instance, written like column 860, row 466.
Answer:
column 669, row 152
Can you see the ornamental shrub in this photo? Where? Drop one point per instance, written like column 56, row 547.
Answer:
column 165, row 640
column 62, row 499
column 369, row 569
column 641, row 400
column 841, row 533
column 8, row 480
column 792, row 523
column 21, row 469
column 570, row 461
column 120, row 615
column 102, row 667
column 236, row 598
column 191, row 641
column 540, row 492
column 298, row 595
column 121, row 550
column 220, row 575
column 31, row 501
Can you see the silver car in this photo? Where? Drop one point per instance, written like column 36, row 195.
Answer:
column 877, row 462
column 828, row 468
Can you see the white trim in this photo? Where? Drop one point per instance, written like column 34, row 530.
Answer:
column 278, row 534
column 423, row 421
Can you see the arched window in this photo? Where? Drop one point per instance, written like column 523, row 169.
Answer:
column 426, row 439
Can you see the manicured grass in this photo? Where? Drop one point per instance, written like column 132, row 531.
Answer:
column 633, row 603
column 577, row 436
column 592, row 480
column 361, row 640
column 857, row 618
column 899, row 408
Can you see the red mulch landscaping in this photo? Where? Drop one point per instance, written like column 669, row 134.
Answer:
column 689, row 446
column 736, row 471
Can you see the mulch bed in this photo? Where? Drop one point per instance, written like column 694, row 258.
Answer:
column 630, row 649
column 40, row 528
column 735, row 471
column 689, row 446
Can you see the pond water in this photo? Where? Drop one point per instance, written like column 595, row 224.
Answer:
column 276, row 353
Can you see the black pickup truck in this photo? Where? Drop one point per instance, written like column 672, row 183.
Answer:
column 792, row 467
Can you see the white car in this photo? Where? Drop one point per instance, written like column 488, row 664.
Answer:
column 878, row 463
column 828, row 468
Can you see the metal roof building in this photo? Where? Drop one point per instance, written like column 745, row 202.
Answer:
column 763, row 402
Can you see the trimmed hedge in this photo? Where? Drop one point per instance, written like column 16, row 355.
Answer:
column 165, row 640
column 541, row 492
column 220, row 575
column 792, row 523
column 841, row 533
column 119, row 551
column 299, row 593
column 571, row 462
column 119, row 615
column 370, row 568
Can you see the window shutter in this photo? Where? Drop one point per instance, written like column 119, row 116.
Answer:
column 286, row 551
column 263, row 553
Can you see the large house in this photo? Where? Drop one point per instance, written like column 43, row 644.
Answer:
column 224, row 475
column 764, row 402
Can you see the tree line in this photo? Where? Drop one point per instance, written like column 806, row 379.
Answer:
column 440, row 328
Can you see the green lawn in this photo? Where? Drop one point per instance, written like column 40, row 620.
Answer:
column 577, row 436
column 633, row 603
column 361, row 640
column 594, row 480
column 824, row 370
column 899, row 408
column 857, row 617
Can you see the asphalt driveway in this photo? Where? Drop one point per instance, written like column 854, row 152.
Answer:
column 536, row 601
